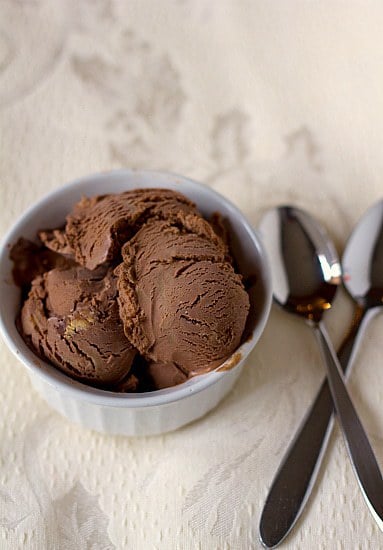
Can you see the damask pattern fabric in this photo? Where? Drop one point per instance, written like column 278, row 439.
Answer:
column 268, row 103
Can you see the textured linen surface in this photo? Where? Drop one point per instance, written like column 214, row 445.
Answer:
column 268, row 103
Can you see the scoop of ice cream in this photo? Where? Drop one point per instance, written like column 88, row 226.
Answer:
column 181, row 302
column 71, row 318
column 97, row 227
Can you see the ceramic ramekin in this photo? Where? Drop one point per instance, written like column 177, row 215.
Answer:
column 144, row 413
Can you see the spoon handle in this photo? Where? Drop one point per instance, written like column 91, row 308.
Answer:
column 297, row 473
column 362, row 457
column 350, row 344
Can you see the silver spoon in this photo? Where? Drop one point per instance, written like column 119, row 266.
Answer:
column 293, row 483
column 305, row 272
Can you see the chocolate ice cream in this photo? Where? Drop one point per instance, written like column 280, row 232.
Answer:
column 136, row 292
column 31, row 260
column 98, row 226
column 71, row 318
column 181, row 301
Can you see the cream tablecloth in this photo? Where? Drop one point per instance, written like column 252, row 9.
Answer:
column 267, row 102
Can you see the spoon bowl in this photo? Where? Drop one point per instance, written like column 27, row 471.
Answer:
column 306, row 270
column 363, row 259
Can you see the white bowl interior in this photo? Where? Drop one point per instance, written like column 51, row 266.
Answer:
column 50, row 212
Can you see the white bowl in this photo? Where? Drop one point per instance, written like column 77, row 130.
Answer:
column 144, row 413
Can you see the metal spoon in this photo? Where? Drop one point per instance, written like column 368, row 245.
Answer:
column 294, row 481
column 363, row 264
column 305, row 274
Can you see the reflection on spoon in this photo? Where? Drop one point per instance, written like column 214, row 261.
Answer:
column 306, row 273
